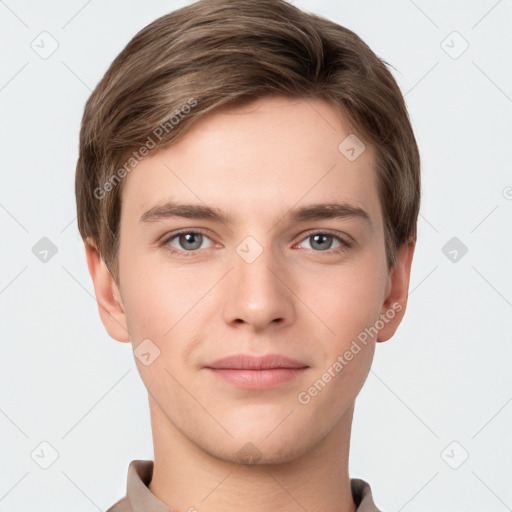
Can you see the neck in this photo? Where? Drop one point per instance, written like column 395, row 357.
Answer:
column 187, row 478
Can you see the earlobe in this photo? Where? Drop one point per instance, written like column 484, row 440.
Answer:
column 397, row 289
column 108, row 297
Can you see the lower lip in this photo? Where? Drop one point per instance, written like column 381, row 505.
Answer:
column 258, row 379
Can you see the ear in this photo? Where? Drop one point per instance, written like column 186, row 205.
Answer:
column 397, row 290
column 108, row 297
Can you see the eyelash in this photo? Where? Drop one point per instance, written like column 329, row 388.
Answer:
column 344, row 243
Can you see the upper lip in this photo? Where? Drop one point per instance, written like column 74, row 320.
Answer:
column 248, row 362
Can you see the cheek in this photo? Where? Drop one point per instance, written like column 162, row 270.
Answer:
column 156, row 295
column 349, row 305
column 346, row 299
column 166, row 305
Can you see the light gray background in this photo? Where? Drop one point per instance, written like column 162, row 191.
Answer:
column 444, row 377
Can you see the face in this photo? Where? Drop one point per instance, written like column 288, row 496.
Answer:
column 255, row 235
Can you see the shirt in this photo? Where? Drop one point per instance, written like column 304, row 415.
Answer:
column 140, row 499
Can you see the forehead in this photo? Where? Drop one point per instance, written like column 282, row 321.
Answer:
column 259, row 159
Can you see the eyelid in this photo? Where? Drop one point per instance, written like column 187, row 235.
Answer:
column 170, row 236
column 331, row 232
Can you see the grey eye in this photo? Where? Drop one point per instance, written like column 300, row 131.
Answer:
column 189, row 241
column 323, row 241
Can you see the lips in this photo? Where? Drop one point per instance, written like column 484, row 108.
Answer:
column 250, row 372
column 247, row 362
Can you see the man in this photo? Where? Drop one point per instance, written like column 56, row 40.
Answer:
column 248, row 188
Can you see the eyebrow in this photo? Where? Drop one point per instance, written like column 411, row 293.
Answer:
column 321, row 211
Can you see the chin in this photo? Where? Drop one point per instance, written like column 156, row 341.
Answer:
column 257, row 447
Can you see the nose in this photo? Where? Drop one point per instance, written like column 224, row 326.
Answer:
column 257, row 293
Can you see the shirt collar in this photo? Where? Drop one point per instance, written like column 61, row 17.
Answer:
column 141, row 499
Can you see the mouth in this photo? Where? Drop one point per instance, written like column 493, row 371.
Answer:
column 252, row 372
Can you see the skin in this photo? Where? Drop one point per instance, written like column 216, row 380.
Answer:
column 300, row 299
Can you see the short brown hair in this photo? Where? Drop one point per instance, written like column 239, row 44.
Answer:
column 217, row 54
